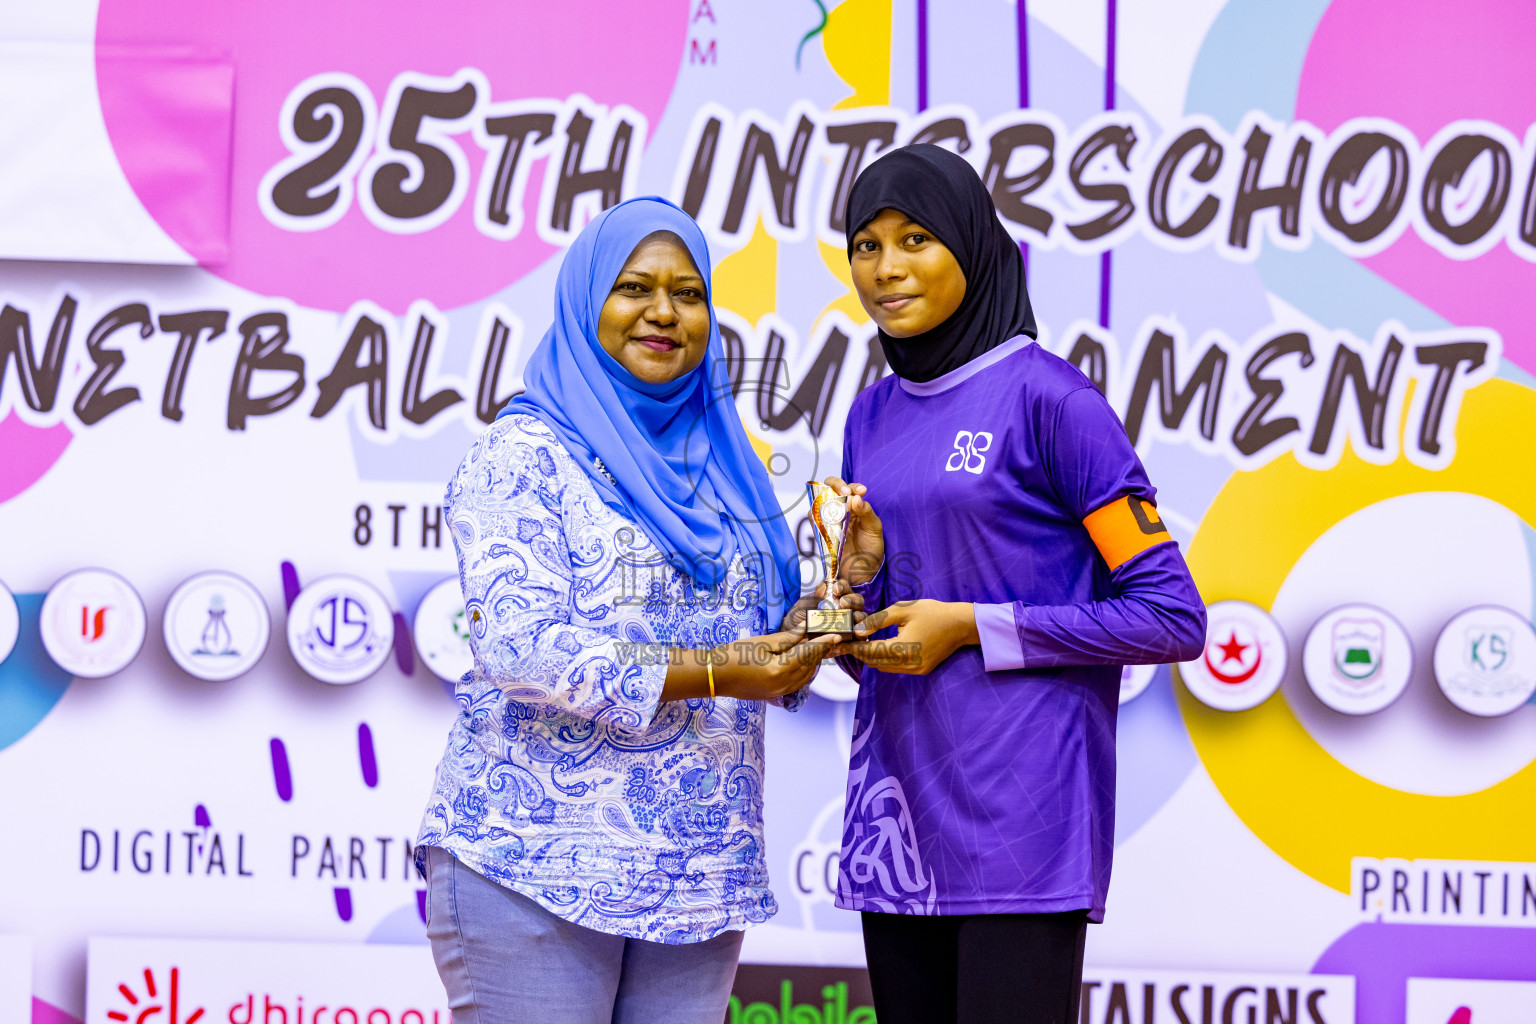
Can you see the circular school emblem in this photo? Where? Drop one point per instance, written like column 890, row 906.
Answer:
column 340, row 629
column 216, row 626
column 92, row 623
column 1485, row 661
column 1357, row 659
column 441, row 631
column 1243, row 661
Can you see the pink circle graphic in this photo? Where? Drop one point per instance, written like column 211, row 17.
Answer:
column 161, row 66
column 29, row 453
column 1446, row 62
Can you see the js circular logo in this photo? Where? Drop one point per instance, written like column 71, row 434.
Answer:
column 216, row 626
column 1134, row 680
column 1485, row 661
column 10, row 622
column 441, row 631
column 1243, row 661
column 1357, row 659
column 340, row 629
column 92, row 623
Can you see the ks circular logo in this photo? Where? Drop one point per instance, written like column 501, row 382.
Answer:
column 216, row 626
column 92, row 623
column 1485, row 661
column 340, row 629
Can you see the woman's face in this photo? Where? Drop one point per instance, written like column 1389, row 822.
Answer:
column 655, row 321
column 908, row 281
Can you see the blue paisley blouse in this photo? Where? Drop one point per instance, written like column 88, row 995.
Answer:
column 565, row 778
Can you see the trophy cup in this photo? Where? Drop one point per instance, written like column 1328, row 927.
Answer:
column 829, row 516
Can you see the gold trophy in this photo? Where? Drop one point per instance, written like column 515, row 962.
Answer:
column 829, row 515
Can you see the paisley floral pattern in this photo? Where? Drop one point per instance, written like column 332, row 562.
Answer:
column 565, row 777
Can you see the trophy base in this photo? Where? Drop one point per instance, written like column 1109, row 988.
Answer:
column 819, row 621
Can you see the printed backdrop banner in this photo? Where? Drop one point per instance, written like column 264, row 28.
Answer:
column 267, row 270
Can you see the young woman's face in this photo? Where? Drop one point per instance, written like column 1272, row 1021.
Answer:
column 908, row 281
column 655, row 321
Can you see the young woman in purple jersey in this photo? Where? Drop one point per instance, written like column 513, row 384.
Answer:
column 1018, row 555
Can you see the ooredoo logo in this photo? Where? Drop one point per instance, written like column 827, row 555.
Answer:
column 1243, row 660
column 150, row 1004
column 1357, row 659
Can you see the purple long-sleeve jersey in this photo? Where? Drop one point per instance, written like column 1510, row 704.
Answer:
column 988, row 785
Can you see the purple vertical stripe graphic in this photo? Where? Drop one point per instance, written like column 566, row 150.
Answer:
column 290, row 584
column 1022, row 9
column 421, row 904
column 405, row 657
column 1023, row 27
column 344, row 903
column 1105, row 267
column 1106, row 261
column 365, row 755
column 1109, row 57
column 922, row 55
column 280, row 773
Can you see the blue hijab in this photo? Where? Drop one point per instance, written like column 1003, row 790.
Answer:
column 678, row 453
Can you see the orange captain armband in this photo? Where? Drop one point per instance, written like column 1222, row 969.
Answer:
column 1124, row 529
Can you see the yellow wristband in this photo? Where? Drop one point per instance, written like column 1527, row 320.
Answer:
column 710, row 669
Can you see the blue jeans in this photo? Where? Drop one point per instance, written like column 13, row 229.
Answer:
column 505, row 960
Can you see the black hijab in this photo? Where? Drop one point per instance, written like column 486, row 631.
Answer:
column 940, row 191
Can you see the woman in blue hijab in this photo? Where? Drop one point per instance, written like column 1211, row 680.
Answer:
column 594, row 843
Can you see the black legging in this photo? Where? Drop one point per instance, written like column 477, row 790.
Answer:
column 976, row 968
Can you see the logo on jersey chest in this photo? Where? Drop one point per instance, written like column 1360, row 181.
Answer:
column 969, row 453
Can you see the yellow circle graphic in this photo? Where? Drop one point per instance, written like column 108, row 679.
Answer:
column 1292, row 793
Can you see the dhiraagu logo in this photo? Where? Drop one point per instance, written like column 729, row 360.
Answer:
column 146, row 999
